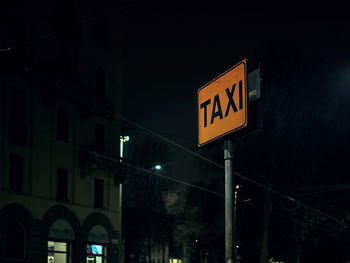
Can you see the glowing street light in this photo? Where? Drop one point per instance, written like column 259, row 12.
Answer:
column 122, row 140
column 158, row 167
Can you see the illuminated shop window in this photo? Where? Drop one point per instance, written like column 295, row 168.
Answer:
column 175, row 260
column 59, row 252
column 96, row 253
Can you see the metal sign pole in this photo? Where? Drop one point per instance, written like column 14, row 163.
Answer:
column 229, row 182
column 215, row 122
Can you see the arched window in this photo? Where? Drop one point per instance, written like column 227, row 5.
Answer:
column 16, row 28
column 15, row 241
column 59, row 244
column 96, row 249
column 100, row 86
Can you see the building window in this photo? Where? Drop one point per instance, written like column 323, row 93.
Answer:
column 96, row 253
column 62, row 184
column 59, row 252
column 59, row 22
column 62, row 125
column 65, row 62
column 17, row 30
column 15, row 241
column 17, row 130
column 16, row 173
column 99, row 137
column 102, row 33
column 98, row 202
column 100, row 86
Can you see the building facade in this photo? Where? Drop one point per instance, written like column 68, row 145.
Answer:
column 60, row 173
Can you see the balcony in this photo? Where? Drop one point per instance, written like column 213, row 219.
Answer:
column 93, row 160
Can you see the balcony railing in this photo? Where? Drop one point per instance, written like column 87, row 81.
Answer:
column 93, row 160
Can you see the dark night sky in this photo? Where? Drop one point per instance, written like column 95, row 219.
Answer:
column 172, row 50
column 171, row 53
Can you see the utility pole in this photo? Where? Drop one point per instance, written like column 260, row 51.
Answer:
column 229, row 182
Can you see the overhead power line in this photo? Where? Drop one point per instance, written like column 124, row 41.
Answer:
column 77, row 147
column 331, row 188
column 64, row 29
column 293, row 219
column 145, row 170
column 289, row 198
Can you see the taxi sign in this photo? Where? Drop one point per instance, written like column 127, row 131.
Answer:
column 222, row 105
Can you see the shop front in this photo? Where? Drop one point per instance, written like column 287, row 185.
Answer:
column 60, row 242
column 97, row 247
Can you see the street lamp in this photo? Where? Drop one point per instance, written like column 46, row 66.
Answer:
column 122, row 140
column 158, row 167
column 120, row 244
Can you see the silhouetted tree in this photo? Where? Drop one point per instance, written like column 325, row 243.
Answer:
column 147, row 224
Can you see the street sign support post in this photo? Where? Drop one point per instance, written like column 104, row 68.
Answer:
column 229, row 183
column 223, row 111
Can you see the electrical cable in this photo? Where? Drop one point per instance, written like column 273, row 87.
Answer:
column 330, row 189
column 291, row 199
column 134, row 166
column 85, row 21
column 294, row 219
column 179, row 181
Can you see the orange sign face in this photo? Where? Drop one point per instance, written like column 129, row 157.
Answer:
column 222, row 105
